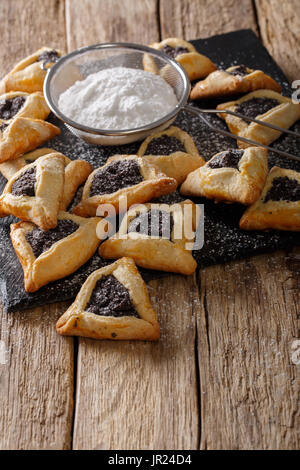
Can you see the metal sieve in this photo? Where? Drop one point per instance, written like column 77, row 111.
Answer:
column 79, row 64
column 91, row 59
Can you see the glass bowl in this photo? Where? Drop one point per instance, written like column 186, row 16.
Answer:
column 82, row 62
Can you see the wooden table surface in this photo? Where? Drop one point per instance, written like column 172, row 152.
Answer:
column 222, row 376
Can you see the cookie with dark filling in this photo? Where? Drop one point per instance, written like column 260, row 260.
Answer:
column 164, row 145
column 228, row 159
column 9, row 107
column 231, row 176
column 110, row 298
column 53, row 254
column 22, row 125
column 49, row 56
column 23, row 134
column 117, row 175
column 232, row 81
column 76, row 173
column 256, row 106
column 173, row 52
column 113, row 303
column 173, row 151
column 266, row 106
column 154, row 223
column 27, row 195
column 28, row 75
column 239, row 70
column 196, row 65
column 278, row 207
column 42, row 240
column 25, row 184
column 20, row 104
column 283, row 189
column 156, row 236
column 124, row 180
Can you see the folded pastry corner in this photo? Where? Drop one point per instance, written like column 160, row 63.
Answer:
column 156, row 237
column 195, row 64
column 173, row 151
column 113, row 303
column 76, row 172
column 28, row 75
column 234, row 175
column 22, row 135
column 233, row 80
column 265, row 105
column 21, row 104
column 278, row 207
column 125, row 177
column 46, row 256
column 34, row 193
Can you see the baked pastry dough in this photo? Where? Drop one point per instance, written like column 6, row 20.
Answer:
column 170, row 227
column 124, row 181
column 34, row 193
column 122, row 312
column 232, row 176
column 28, row 74
column 234, row 80
column 279, row 205
column 23, row 135
column 173, row 151
column 76, row 172
column 51, row 255
column 196, row 65
column 265, row 105
column 18, row 104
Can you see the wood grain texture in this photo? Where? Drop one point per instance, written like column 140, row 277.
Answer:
column 279, row 24
column 191, row 19
column 36, row 378
column 36, row 366
column 249, row 384
column 92, row 21
column 248, row 315
column 27, row 25
column 136, row 395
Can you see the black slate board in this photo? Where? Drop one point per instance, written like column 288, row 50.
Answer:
column 223, row 239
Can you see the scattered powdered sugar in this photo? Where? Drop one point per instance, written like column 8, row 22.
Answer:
column 118, row 98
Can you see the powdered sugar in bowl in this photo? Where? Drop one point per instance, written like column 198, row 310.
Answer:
column 104, row 96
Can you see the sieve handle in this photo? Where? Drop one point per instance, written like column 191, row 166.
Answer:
column 200, row 113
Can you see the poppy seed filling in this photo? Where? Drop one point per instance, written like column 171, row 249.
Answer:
column 240, row 70
column 155, row 222
column 115, row 176
column 40, row 240
column 3, row 126
column 283, row 189
column 10, row 107
column 164, row 145
column 24, row 185
column 111, row 299
column 255, row 107
column 173, row 52
column 227, row 159
column 48, row 56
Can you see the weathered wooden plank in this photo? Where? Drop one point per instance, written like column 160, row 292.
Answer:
column 36, row 366
column 279, row 24
column 92, row 21
column 137, row 395
column 248, row 313
column 191, row 19
column 249, row 384
column 134, row 395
